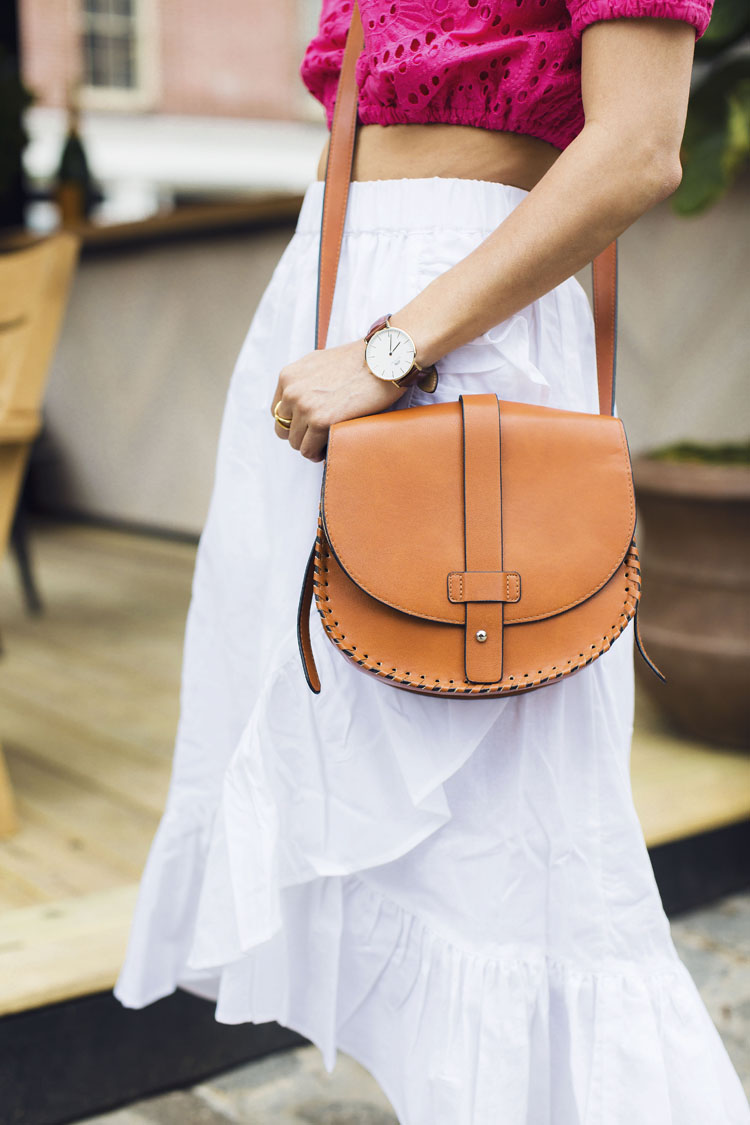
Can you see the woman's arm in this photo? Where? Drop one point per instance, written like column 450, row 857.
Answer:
column 635, row 80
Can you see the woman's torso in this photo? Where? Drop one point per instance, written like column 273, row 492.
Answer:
column 451, row 132
column 464, row 152
column 489, row 89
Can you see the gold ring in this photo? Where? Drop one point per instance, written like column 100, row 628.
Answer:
column 285, row 422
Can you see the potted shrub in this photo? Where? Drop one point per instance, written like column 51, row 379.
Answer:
column 716, row 142
column 694, row 503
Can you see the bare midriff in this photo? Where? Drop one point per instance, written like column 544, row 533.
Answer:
column 390, row 152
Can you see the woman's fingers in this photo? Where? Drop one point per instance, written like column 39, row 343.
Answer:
column 298, row 429
column 323, row 388
column 307, row 438
column 277, row 395
column 313, row 443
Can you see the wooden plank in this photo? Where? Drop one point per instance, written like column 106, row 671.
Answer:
column 112, row 704
column 89, row 704
column 41, row 947
column 682, row 788
column 64, row 556
column 152, row 663
column 103, row 765
column 114, row 834
column 56, row 865
column 15, row 892
column 8, row 818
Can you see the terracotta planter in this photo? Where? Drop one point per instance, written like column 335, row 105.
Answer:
column 694, row 538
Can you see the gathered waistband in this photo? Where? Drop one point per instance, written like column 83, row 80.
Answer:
column 437, row 203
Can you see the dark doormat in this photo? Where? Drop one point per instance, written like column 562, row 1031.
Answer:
column 82, row 1057
column 698, row 870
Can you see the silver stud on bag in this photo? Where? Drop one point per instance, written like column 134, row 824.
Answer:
column 481, row 636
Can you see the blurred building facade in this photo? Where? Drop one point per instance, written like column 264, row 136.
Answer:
column 180, row 99
column 227, row 58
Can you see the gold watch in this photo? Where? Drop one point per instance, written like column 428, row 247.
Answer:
column 391, row 355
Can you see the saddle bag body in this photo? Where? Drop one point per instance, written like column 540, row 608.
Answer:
column 474, row 548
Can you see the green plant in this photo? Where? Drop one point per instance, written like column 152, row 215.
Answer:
column 716, row 144
column 725, row 453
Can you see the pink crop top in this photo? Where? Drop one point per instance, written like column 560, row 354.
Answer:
column 511, row 65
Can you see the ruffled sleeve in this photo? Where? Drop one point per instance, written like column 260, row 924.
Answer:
column 695, row 12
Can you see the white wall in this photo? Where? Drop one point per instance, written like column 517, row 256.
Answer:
column 136, row 395
column 683, row 360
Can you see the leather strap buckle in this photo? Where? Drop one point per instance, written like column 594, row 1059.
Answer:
column 484, row 586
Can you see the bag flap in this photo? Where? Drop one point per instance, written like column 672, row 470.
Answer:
column 393, row 506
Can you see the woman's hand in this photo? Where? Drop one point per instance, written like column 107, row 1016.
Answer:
column 324, row 387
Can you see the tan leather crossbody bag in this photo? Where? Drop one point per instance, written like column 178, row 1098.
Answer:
column 472, row 548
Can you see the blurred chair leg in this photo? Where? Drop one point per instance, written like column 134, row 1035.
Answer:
column 20, row 543
column 8, row 818
column 14, row 458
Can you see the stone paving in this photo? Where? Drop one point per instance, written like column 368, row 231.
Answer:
column 294, row 1089
column 715, row 945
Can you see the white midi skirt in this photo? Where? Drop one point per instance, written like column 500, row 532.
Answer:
column 457, row 893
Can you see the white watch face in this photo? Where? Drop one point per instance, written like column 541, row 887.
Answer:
column 390, row 353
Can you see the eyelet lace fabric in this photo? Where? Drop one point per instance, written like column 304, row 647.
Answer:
column 509, row 65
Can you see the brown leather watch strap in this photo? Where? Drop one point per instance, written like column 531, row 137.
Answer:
column 377, row 326
column 338, row 176
column 483, row 534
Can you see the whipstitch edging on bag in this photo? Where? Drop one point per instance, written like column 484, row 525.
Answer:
column 525, row 683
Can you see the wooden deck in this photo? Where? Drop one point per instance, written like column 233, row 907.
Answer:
column 88, row 710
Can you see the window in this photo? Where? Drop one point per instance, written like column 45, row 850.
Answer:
column 118, row 47
column 109, row 44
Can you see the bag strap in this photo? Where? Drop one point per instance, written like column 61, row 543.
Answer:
column 338, row 177
column 483, row 536
column 303, row 624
